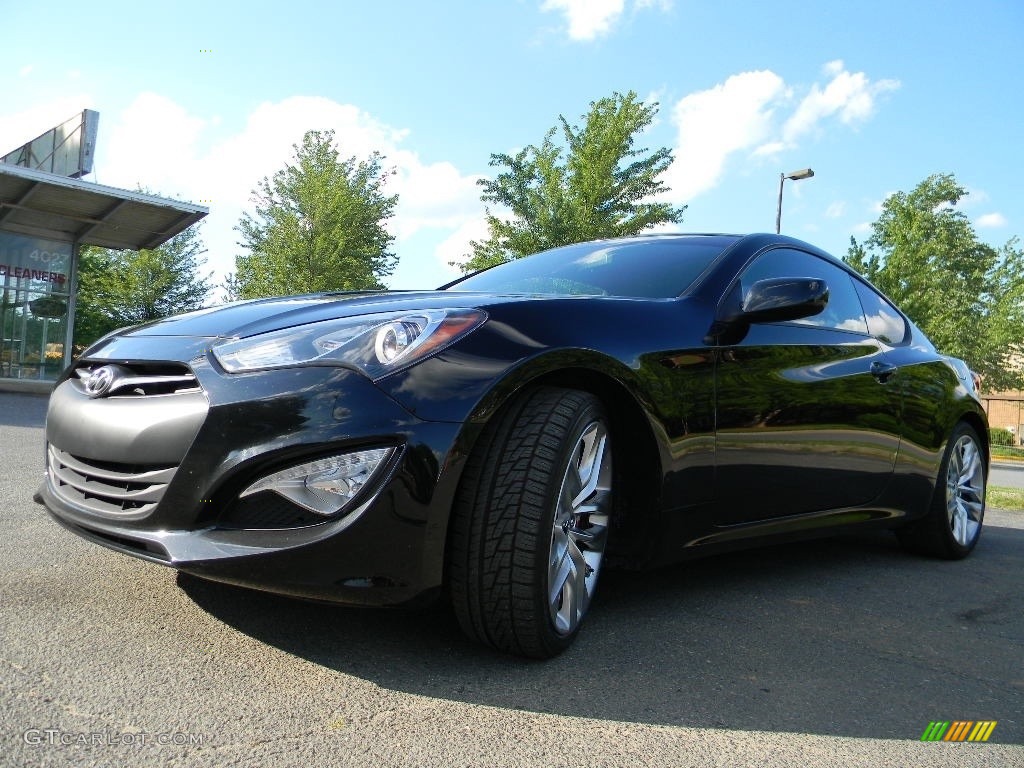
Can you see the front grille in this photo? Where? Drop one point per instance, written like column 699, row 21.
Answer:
column 107, row 488
column 141, row 379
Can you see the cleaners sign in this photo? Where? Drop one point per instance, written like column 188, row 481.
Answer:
column 34, row 259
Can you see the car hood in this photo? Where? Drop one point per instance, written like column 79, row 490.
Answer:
column 248, row 318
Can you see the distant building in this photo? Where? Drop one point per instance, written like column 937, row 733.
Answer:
column 1006, row 411
column 45, row 215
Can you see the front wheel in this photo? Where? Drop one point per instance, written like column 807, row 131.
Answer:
column 530, row 524
column 953, row 523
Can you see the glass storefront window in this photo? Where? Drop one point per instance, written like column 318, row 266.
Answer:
column 35, row 279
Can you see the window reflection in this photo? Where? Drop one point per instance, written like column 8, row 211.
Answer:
column 884, row 322
column 34, row 282
column 843, row 311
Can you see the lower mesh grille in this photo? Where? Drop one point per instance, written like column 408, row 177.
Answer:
column 267, row 510
column 146, row 549
column 108, row 488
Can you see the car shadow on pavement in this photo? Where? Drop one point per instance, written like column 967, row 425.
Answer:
column 21, row 410
column 847, row 636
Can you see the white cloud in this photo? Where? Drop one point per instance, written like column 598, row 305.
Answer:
column 435, row 195
column 746, row 114
column 835, row 210
column 990, row 221
column 237, row 164
column 833, row 68
column 152, row 144
column 25, row 71
column 862, row 228
column 587, row 19
column 455, row 248
column 879, row 205
column 654, row 99
column 590, row 19
column 712, row 124
column 157, row 142
column 973, row 198
column 977, row 195
column 664, row 5
column 849, row 96
column 770, row 149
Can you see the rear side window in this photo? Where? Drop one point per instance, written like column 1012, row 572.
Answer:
column 884, row 321
column 843, row 311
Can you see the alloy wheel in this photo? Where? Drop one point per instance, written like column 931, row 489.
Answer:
column 580, row 528
column 965, row 490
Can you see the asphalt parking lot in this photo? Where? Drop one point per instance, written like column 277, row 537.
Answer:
column 836, row 653
column 1007, row 474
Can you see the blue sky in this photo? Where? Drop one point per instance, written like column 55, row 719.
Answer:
column 200, row 100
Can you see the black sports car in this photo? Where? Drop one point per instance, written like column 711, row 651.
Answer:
column 498, row 441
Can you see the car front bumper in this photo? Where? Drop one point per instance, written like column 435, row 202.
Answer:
column 204, row 447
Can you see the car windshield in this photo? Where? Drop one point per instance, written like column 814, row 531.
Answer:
column 642, row 268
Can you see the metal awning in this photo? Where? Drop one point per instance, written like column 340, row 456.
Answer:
column 46, row 205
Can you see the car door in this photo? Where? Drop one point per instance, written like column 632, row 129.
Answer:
column 806, row 417
column 926, row 385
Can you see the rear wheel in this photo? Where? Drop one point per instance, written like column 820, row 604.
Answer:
column 953, row 524
column 530, row 523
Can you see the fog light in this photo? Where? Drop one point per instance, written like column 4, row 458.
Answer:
column 324, row 486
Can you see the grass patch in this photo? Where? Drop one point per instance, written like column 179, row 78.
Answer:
column 1005, row 498
column 1005, row 452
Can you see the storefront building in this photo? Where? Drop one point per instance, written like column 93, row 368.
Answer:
column 44, row 219
column 34, row 305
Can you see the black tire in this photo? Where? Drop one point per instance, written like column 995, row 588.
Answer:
column 953, row 524
column 524, row 514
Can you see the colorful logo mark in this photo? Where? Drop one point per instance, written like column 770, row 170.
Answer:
column 959, row 730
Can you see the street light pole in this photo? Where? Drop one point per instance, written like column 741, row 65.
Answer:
column 778, row 211
column 806, row 173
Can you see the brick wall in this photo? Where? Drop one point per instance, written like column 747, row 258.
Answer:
column 1005, row 410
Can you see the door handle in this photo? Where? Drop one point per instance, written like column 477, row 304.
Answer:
column 883, row 371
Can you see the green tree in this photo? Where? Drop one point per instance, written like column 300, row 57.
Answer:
column 231, row 289
column 119, row 288
column 597, row 185
column 319, row 225
column 967, row 296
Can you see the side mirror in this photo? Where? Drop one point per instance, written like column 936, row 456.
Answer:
column 784, row 298
column 772, row 300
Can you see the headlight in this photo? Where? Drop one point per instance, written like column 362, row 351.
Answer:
column 378, row 344
column 324, row 486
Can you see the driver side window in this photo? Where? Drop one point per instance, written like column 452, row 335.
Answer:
column 843, row 311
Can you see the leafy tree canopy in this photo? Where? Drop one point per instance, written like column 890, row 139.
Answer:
column 119, row 288
column 319, row 225
column 967, row 296
column 597, row 185
column 230, row 288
